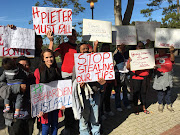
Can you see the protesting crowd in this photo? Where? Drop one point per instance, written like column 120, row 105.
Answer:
column 90, row 102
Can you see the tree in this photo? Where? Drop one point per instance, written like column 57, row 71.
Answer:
column 73, row 4
column 127, row 14
column 171, row 16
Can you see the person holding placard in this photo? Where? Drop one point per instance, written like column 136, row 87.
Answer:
column 163, row 77
column 66, row 51
column 139, row 84
column 90, row 100
column 121, row 58
column 47, row 72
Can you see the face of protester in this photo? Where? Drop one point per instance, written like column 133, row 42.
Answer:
column 48, row 59
column 73, row 37
column 121, row 48
column 84, row 48
column 140, row 46
column 25, row 65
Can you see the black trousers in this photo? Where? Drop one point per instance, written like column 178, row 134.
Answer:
column 71, row 125
column 140, row 90
column 22, row 127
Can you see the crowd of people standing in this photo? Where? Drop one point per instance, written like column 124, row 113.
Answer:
column 95, row 108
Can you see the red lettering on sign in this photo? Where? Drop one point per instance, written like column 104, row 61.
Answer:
column 64, row 16
column 35, row 12
column 81, row 58
column 52, row 17
column 38, row 28
column 43, row 16
column 106, row 55
column 69, row 15
column 59, row 16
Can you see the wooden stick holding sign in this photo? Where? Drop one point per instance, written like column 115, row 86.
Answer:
column 92, row 66
column 59, row 20
column 50, row 96
column 142, row 59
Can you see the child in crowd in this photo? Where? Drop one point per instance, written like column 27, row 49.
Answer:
column 163, row 77
column 13, row 75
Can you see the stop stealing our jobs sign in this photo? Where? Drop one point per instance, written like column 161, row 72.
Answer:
column 92, row 66
column 46, row 97
column 142, row 59
column 59, row 20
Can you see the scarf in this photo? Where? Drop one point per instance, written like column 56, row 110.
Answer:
column 49, row 74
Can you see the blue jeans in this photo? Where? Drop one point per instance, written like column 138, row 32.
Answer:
column 164, row 94
column 90, row 114
column 53, row 122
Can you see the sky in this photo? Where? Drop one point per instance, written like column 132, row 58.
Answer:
column 19, row 12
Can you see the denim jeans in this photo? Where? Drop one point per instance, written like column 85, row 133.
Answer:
column 90, row 115
column 164, row 94
column 53, row 122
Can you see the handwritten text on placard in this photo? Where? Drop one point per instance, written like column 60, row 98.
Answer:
column 142, row 59
column 59, row 20
column 92, row 66
column 51, row 96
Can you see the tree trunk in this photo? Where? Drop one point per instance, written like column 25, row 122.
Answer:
column 128, row 13
column 117, row 12
column 178, row 7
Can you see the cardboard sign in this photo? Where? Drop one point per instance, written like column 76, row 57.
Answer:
column 92, row 66
column 59, row 20
column 166, row 37
column 142, row 59
column 18, row 38
column 16, row 52
column 13, row 52
column 97, row 30
column 50, row 96
column 124, row 35
column 146, row 30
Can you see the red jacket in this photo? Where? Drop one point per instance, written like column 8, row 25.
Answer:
column 44, row 118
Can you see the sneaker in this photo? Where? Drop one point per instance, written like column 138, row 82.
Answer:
column 7, row 109
column 110, row 113
column 160, row 108
column 128, row 107
column 119, row 109
column 103, row 117
column 169, row 107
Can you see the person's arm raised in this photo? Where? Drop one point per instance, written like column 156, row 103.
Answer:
column 171, row 50
column 50, row 36
column 95, row 46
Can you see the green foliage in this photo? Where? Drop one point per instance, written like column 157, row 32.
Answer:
column 170, row 19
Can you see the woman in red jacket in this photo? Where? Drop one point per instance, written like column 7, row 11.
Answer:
column 139, row 85
column 47, row 72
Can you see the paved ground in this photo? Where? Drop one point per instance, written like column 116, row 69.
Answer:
column 126, row 123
